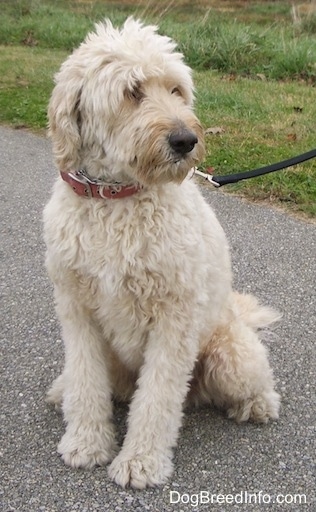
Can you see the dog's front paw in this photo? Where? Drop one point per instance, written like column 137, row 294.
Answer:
column 145, row 470
column 87, row 449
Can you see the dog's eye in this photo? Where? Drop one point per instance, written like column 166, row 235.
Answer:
column 135, row 94
column 177, row 91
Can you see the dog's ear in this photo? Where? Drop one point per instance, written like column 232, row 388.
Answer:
column 64, row 121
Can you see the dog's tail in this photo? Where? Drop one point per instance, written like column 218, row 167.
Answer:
column 253, row 313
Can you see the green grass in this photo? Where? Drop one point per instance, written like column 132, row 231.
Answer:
column 263, row 122
column 255, row 74
column 26, row 81
column 210, row 39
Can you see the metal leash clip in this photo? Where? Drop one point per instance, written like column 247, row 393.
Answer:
column 207, row 177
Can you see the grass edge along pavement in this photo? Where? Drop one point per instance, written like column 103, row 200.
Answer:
column 258, row 120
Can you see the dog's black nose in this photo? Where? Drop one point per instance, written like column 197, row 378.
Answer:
column 183, row 141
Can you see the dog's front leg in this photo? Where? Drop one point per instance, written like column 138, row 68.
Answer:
column 87, row 408
column 156, row 409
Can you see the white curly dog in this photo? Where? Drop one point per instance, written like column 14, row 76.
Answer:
column 140, row 265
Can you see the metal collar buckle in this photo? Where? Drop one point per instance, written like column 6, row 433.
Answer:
column 81, row 177
column 94, row 187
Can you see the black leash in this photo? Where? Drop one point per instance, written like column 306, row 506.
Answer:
column 219, row 181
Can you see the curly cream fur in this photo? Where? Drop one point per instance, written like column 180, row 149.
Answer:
column 142, row 284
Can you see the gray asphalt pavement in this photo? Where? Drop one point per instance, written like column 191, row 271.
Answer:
column 274, row 256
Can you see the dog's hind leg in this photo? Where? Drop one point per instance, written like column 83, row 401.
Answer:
column 55, row 393
column 123, row 380
column 233, row 371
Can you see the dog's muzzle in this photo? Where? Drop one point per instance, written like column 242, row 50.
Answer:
column 182, row 142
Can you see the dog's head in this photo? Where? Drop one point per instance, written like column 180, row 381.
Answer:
column 122, row 107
